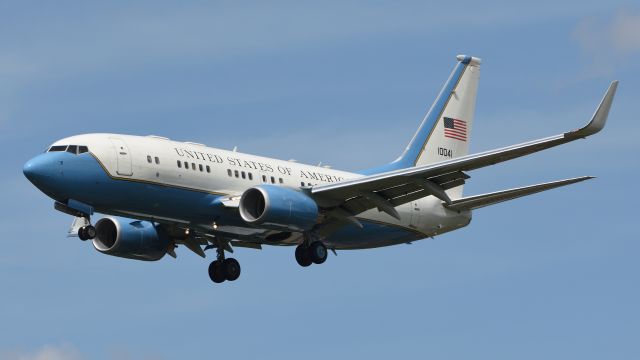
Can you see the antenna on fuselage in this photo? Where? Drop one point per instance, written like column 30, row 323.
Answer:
column 235, row 149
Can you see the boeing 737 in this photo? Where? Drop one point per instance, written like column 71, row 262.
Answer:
column 155, row 194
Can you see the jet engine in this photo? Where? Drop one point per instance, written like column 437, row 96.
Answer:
column 132, row 239
column 280, row 208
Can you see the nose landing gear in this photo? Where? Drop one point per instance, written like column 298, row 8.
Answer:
column 87, row 232
column 82, row 226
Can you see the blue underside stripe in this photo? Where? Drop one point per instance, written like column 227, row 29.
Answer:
column 85, row 181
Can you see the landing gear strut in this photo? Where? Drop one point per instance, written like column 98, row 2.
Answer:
column 224, row 269
column 315, row 253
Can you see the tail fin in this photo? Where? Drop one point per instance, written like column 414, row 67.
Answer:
column 446, row 129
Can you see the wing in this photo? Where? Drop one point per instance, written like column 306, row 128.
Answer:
column 393, row 188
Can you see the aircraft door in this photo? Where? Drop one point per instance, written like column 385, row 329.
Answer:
column 123, row 157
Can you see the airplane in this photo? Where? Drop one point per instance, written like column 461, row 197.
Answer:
column 155, row 194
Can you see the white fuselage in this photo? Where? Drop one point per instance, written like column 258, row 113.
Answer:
column 194, row 167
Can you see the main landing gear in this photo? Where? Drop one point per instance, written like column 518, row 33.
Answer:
column 315, row 253
column 224, row 269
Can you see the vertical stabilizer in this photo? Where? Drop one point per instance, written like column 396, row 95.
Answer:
column 445, row 131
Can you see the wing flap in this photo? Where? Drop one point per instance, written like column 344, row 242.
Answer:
column 479, row 201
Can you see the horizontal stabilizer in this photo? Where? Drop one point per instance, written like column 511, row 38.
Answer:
column 478, row 201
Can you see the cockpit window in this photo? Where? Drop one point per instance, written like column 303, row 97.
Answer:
column 74, row 149
column 58, row 148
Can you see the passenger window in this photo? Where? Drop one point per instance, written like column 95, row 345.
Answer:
column 200, row 167
column 193, row 166
column 83, row 149
column 179, row 164
column 236, row 173
column 149, row 159
column 273, row 180
column 280, row 180
column 302, row 183
column 229, row 172
column 264, row 178
column 250, row 176
column 157, row 160
column 244, row 175
column 208, row 169
column 58, row 148
column 72, row 149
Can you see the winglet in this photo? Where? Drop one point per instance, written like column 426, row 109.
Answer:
column 599, row 118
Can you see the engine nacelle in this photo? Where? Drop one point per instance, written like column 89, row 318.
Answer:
column 132, row 239
column 279, row 208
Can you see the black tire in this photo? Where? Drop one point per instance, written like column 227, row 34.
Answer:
column 302, row 256
column 216, row 273
column 82, row 234
column 231, row 268
column 90, row 232
column 318, row 252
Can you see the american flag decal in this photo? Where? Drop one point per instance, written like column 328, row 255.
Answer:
column 455, row 129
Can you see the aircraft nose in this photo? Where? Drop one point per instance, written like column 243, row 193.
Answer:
column 38, row 169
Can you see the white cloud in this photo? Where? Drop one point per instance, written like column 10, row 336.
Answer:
column 625, row 32
column 69, row 352
column 609, row 42
column 63, row 352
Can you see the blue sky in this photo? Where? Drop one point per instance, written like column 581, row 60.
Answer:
column 345, row 83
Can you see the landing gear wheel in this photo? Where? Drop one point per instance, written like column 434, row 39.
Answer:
column 302, row 256
column 231, row 268
column 87, row 232
column 90, row 231
column 82, row 234
column 216, row 271
column 317, row 252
